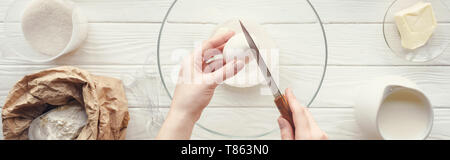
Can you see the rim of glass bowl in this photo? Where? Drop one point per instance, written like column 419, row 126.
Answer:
column 257, row 135
column 389, row 46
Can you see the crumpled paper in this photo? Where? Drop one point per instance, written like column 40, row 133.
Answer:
column 103, row 98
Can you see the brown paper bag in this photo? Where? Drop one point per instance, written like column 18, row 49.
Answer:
column 103, row 98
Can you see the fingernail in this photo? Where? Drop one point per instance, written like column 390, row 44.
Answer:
column 224, row 31
column 239, row 63
column 281, row 122
column 291, row 93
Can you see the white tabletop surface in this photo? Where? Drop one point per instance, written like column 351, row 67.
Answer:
column 124, row 32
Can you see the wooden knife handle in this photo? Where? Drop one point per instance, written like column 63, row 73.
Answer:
column 285, row 110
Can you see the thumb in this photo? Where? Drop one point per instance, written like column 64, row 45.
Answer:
column 286, row 130
column 228, row 71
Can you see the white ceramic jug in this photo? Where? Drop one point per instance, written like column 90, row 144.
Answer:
column 406, row 120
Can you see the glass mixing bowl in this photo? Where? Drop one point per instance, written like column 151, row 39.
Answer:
column 435, row 46
column 300, row 38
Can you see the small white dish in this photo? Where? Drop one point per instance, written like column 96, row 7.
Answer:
column 436, row 45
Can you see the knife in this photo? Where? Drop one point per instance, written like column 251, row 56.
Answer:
column 280, row 99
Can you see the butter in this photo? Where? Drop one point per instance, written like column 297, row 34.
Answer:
column 416, row 25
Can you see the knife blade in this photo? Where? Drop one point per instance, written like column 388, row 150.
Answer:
column 280, row 99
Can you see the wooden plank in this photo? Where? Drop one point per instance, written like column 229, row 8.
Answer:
column 287, row 11
column 194, row 11
column 144, row 123
column 363, row 44
column 4, row 5
column 333, row 11
column 341, row 83
column 141, row 83
column 262, row 11
column 303, row 44
column 110, row 43
column 338, row 123
column 110, row 10
column 297, row 43
column 339, row 88
column 349, row 44
column 305, row 77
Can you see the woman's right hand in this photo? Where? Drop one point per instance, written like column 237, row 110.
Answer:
column 305, row 126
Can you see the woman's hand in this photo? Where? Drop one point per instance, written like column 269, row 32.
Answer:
column 305, row 126
column 198, row 78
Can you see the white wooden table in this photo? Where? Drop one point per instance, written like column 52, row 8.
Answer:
column 123, row 33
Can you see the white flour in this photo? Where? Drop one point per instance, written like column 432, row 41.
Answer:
column 237, row 48
column 62, row 123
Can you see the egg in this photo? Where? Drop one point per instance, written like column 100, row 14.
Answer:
column 237, row 47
